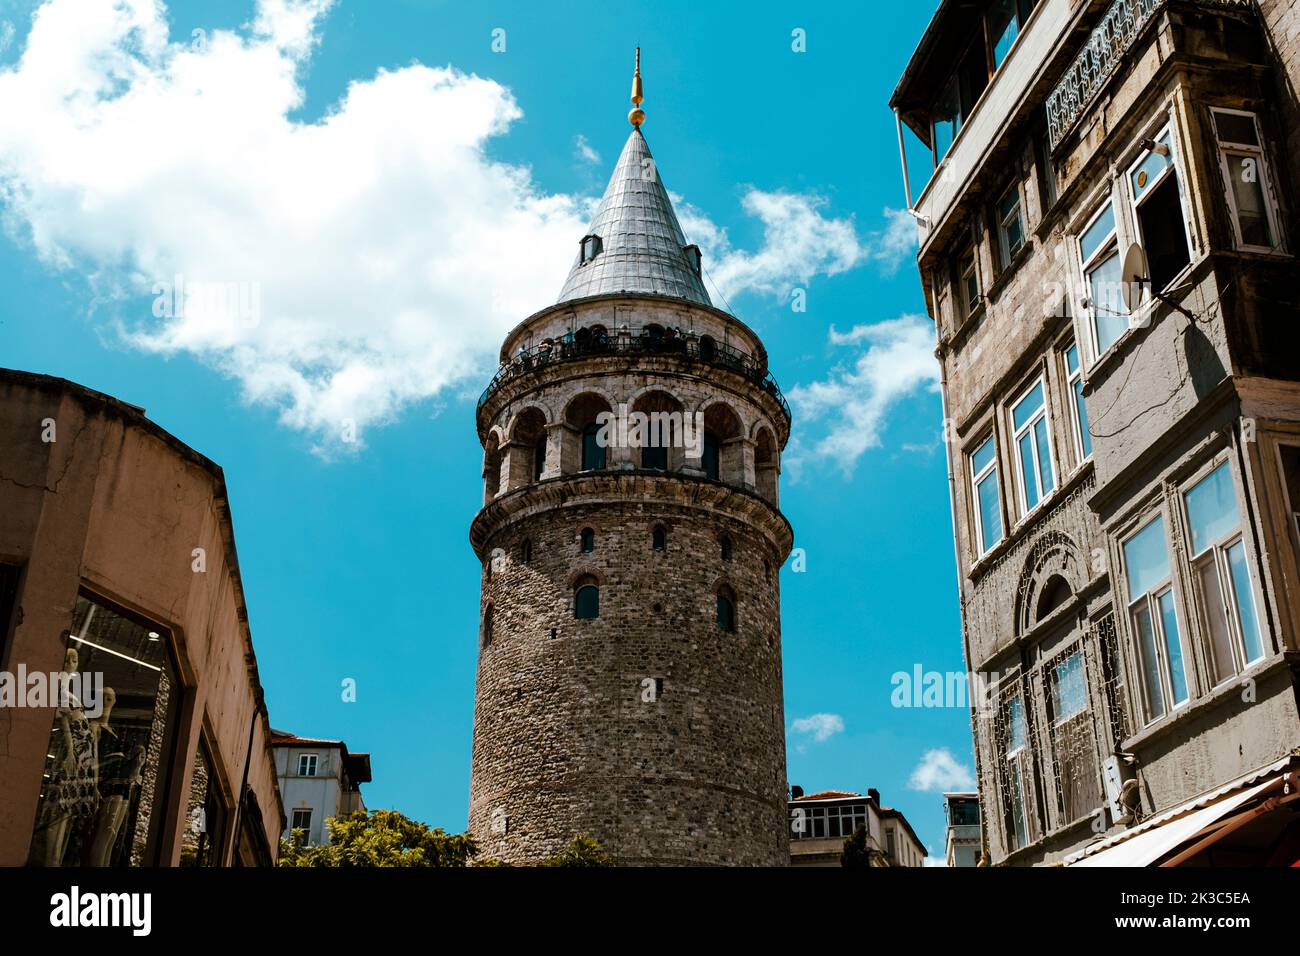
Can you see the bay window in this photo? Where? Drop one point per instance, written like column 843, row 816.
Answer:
column 1099, row 255
column 1246, row 180
column 1153, row 618
column 1222, row 574
column 1158, row 211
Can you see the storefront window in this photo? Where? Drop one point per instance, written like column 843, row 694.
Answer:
column 106, row 769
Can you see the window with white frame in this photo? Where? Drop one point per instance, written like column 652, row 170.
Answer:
column 985, row 495
column 1011, row 225
column 1246, row 180
column 1221, row 570
column 1100, row 258
column 1035, row 476
column 1078, row 408
column 307, row 765
column 1153, row 618
column 1158, row 211
column 301, row 820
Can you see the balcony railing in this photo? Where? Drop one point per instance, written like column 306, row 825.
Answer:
column 1100, row 57
column 637, row 342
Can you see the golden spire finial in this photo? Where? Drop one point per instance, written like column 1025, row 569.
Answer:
column 637, row 115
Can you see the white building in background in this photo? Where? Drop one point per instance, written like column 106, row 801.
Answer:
column 820, row 823
column 319, row 779
column 963, row 840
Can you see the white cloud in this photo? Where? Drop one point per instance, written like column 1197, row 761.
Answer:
column 387, row 252
column 821, row 727
column 584, row 150
column 799, row 243
column 895, row 359
column 939, row 772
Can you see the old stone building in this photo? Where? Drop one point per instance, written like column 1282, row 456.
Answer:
column 119, row 580
column 1107, row 242
column 629, row 675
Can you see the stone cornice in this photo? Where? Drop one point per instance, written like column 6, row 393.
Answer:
column 633, row 487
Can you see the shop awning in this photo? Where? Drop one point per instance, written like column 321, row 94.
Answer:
column 1154, row 838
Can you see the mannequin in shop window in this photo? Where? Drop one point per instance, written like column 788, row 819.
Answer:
column 119, row 775
column 72, row 794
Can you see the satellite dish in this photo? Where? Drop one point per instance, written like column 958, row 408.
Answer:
column 1135, row 280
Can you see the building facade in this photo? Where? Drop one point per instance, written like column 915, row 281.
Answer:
column 962, row 842
column 1107, row 243
column 821, row 822
column 629, row 672
column 138, row 733
column 319, row 780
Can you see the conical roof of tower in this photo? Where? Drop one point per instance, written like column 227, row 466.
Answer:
column 642, row 248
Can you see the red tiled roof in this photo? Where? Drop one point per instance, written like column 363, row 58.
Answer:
column 829, row 795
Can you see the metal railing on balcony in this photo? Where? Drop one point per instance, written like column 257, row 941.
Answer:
column 1100, row 57
column 649, row 341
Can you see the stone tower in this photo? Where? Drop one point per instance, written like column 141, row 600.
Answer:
column 629, row 671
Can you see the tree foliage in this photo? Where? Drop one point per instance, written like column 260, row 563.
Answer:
column 859, row 852
column 583, row 851
column 379, row 838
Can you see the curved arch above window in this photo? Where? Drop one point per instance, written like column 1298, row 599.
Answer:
column 1056, row 592
column 586, row 598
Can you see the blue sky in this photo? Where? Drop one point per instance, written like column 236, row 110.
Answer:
column 396, row 235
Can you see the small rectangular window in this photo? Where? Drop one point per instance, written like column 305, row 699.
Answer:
column 1154, row 620
column 967, row 280
column 1222, row 574
column 307, row 765
column 301, row 820
column 1078, row 408
column 985, row 495
column 1033, row 448
column 1011, row 226
column 1246, row 177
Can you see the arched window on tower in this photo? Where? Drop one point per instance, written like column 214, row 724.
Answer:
column 712, row 457
column 526, row 551
column 487, row 626
column 660, row 538
column 581, row 442
column 588, row 538
column 539, row 457
column 593, row 452
column 586, row 598
column 726, row 609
